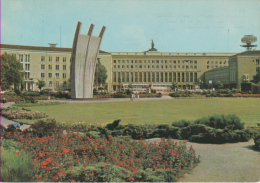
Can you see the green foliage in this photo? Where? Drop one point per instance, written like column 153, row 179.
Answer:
column 40, row 84
column 181, row 123
column 256, row 78
column 44, row 128
column 174, row 85
column 10, row 72
column 31, row 94
column 26, row 103
column 16, row 165
column 180, row 94
column 222, row 121
column 257, row 142
column 218, row 85
column 158, row 95
column 130, row 85
column 102, row 73
column 120, row 95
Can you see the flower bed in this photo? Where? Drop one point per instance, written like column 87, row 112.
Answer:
column 12, row 99
column 101, row 96
column 247, row 95
column 23, row 114
column 74, row 157
column 39, row 98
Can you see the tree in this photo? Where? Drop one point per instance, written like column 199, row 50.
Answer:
column 130, row 85
column 101, row 71
column 10, row 72
column 40, row 84
column 256, row 78
column 174, row 85
column 64, row 86
column 219, row 85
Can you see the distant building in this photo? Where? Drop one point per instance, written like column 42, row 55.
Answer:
column 148, row 70
column 242, row 67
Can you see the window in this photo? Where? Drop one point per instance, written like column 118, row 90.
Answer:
column 123, row 61
column 165, row 61
column 161, row 66
column 27, row 58
column 225, row 62
column 21, row 58
column 257, row 61
column 174, row 67
column 212, row 67
column 182, row 62
column 187, row 62
column 216, row 62
column 57, row 59
column 50, row 59
column 42, row 75
column 127, row 66
column 114, row 66
column 123, row 66
column 220, row 62
column 157, row 61
column 170, row 67
column 57, row 75
column 42, row 67
column 57, row 67
column 50, row 83
column 27, row 75
column 174, row 61
column 212, row 62
column 132, row 66
column 144, row 67
column 50, row 67
column 195, row 67
column 207, row 62
column 136, row 61
column 187, row 67
column 153, row 61
column 114, row 77
column 191, row 67
column 157, row 67
column 27, row 67
column 152, row 66
column 64, row 59
column 42, row 58
column 179, row 67
column 144, row 61
column 114, row 61
column 49, row 75
column 132, row 61
column 191, row 62
column 64, row 67
column 57, row 83
column 178, row 62
column 216, row 66
column 118, row 61
column 140, row 61
column 118, row 66
column 170, row 61
column 136, row 66
column 148, row 66
column 182, row 67
column 127, row 61
column 64, row 75
column 195, row 62
column 64, row 83
column 149, row 61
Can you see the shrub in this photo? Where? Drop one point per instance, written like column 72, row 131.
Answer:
column 16, row 165
column 181, row 123
column 44, row 128
column 221, row 121
column 29, row 93
column 158, row 95
column 257, row 142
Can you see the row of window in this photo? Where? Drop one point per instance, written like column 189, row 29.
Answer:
column 57, row 67
column 25, row 58
column 155, row 61
column 57, row 75
column 144, row 77
column 212, row 66
column 154, row 66
column 217, row 62
column 64, row 59
column 57, row 83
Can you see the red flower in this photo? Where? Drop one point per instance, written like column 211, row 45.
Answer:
column 109, row 136
column 71, row 168
column 17, row 153
column 105, row 166
column 114, row 158
column 40, row 176
column 131, row 179
column 73, row 180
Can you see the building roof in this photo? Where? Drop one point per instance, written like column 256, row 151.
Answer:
column 249, row 53
column 41, row 48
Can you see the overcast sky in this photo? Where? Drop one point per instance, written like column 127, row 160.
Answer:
column 174, row 25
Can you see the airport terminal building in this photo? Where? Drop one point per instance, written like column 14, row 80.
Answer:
column 147, row 70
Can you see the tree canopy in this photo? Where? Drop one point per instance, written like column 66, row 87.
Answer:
column 256, row 78
column 102, row 73
column 40, row 84
column 174, row 85
column 10, row 72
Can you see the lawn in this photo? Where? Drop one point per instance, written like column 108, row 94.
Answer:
column 153, row 112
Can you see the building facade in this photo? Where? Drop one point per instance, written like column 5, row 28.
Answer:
column 242, row 67
column 148, row 70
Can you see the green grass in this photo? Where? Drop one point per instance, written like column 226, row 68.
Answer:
column 153, row 112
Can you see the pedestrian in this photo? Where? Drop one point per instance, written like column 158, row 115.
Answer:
column 130, row 97
column 137, row 96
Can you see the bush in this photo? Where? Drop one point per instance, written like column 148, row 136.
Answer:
column 16, row 165
column 222, row 121
column 257, row 142
column 120, row 95
column 182, row 123
column 29, row 93
column 158, row 95
column 44, row 128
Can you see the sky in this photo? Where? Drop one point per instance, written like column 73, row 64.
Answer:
column 173, row 25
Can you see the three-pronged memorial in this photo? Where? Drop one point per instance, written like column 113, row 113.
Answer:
column 83, row 62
